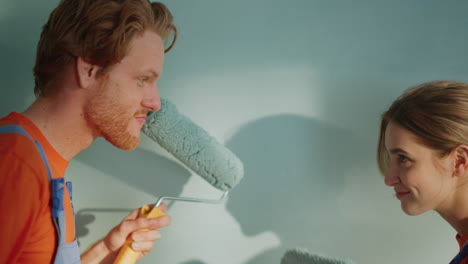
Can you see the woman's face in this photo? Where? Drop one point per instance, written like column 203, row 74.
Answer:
column 422, row 181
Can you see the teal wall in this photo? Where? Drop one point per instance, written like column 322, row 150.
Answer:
column 295, row 88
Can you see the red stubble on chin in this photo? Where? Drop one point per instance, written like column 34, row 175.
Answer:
column 110, row 118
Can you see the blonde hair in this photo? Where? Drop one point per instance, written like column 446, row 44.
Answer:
column 98, row 30
column 436, row 112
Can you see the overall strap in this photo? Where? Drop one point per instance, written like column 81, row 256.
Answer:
column 57, row 185
column 19, row 130
column 66, row 252
column 461, row 255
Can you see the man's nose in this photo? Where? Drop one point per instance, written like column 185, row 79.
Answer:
column 152, row 101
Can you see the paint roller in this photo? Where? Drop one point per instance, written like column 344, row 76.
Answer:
column 302, row 256
column 195, row 148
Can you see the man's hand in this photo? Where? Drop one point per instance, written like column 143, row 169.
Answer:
column 108, row 248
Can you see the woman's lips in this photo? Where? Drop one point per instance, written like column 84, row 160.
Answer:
column 400, row 195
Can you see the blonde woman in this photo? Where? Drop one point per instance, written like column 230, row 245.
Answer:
column 423, row 153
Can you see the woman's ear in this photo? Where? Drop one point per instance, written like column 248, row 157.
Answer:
column 86, row 72
column 461, row 160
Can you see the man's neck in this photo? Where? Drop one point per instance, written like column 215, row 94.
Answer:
column 63, row 124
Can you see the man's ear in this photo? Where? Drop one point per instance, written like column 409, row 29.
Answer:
column 461, row 160
column 86, row 72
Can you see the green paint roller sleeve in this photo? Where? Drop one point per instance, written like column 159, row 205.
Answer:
column 194, row 147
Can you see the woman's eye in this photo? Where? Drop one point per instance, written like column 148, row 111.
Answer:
column 402, row 158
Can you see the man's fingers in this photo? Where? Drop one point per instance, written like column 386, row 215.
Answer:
column 142, row 245
column 163, row 207
column 152, row 223
column 133, row 214
column 128, row 226
column 146, row 235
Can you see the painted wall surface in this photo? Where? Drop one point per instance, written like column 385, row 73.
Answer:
column 295, row 88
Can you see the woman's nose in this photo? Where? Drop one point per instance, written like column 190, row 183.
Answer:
column 391, row 177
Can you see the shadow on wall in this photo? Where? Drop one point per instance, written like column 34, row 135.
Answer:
column 87, row 216
column 141, row 169
column 295, row 173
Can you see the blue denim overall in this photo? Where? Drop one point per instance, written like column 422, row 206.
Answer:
column 67, row 253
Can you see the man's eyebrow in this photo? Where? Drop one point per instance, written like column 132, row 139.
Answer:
column 155, row 74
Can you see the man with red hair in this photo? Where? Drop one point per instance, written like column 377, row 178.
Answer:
column 97, row 65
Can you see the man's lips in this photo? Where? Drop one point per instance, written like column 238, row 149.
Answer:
column 141, row 119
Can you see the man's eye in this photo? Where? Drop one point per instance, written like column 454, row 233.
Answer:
column 143, row 79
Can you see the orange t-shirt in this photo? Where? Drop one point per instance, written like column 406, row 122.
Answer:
column 26, row 228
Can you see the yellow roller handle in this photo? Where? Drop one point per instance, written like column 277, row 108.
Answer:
column 127, row 255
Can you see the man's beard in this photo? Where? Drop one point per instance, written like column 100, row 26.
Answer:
column 110, row 119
